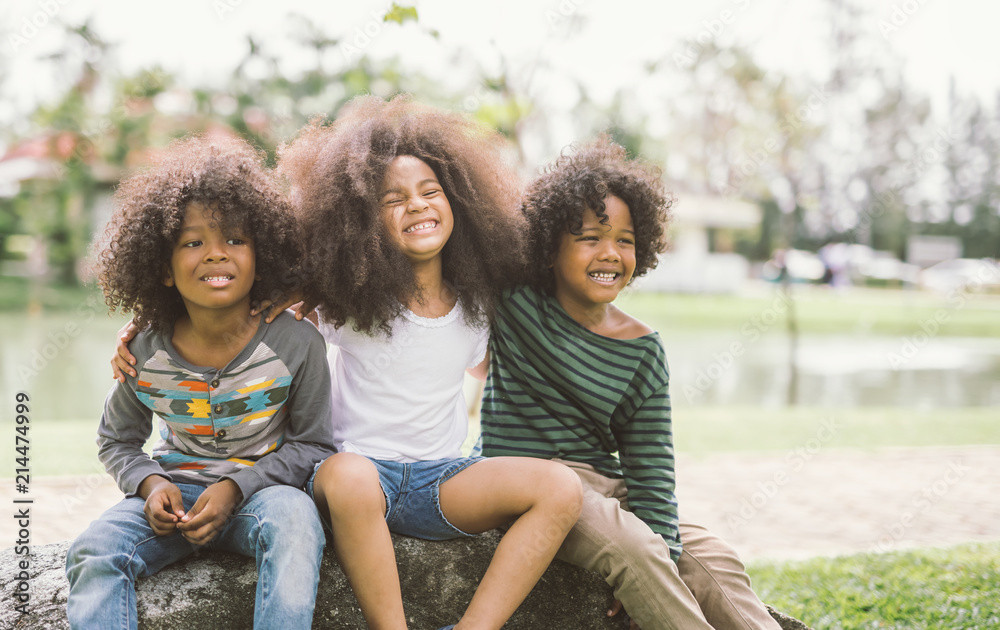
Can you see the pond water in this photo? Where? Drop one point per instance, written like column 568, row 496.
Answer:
column 61, row 360
column 836, row 370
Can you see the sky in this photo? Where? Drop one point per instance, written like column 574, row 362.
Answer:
column 602, row 44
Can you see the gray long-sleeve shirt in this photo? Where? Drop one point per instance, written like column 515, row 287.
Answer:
column 262, row 420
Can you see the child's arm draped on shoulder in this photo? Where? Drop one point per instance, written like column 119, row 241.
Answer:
column 123, row 360
column 303, row 309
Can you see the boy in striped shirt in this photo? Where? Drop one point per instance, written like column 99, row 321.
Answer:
column 576, row 379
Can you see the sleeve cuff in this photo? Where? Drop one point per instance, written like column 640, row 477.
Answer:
column 482, row 345
column 132, row 478
column 248, row 481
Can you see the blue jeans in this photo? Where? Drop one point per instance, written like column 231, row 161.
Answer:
column 278, row 526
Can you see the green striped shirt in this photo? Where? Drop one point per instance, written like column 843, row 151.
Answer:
column 558, row 390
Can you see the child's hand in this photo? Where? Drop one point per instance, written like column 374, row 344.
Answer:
column 302, row 309
column 122, row 361
column 616, row 607
column 164, row 506
column 210, row 512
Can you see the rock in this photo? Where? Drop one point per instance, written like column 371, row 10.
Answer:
column 216, row 590
column 786, row 622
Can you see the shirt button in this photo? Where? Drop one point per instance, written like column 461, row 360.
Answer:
column 221, row 434
column 218, row 409
column 215, row 383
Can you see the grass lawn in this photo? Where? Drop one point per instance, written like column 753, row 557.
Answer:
column 954, row 588
column 705, row 430
column 64, row 447
column 887, row 312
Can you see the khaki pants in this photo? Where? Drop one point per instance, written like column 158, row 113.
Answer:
column 707, row 588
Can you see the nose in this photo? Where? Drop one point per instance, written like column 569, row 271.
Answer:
column 416, row 204
column 217, row 251
column 609, row 251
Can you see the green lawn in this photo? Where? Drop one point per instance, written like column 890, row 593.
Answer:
column 64, row 447
column 956, row 588
column 888, row 312
column 704, row 430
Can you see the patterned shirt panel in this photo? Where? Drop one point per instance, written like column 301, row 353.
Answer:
column 208, row 432
column 261, row 420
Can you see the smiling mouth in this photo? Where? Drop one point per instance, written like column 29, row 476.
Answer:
column 426, row 225
column 212, row 279
column 604, row 277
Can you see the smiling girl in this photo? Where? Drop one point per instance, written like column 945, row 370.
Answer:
column 413, row 231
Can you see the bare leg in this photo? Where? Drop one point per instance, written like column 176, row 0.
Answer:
column 543, row 496
column 347, row 488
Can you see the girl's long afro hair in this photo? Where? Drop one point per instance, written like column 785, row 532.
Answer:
column 336, row 173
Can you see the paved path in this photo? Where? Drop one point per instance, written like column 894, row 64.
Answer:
column 798, row 505
column 767, row 505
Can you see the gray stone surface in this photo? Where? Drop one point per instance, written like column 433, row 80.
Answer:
column 216, row 590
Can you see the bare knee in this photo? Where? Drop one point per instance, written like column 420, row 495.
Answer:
column 562, row 493
column 347, row 482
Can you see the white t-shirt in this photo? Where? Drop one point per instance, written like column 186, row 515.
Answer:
column 401, row 398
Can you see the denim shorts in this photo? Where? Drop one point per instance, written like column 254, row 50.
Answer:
column 412, row 496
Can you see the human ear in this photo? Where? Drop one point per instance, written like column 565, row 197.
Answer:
column 168, row 280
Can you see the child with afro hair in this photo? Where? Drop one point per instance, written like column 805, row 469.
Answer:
column 243, row 405
column 151, row 209
column 413, row 229
column 575, row 379
column 337, row 174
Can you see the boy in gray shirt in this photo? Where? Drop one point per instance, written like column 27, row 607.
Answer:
column 244, row 406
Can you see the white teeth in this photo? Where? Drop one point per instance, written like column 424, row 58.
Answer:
column 602, row 276
column 217, row 278
column 420, row 226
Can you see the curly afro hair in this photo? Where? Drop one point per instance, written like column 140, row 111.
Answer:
column 556, row 200
column 336, row 173
column 229, row 176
